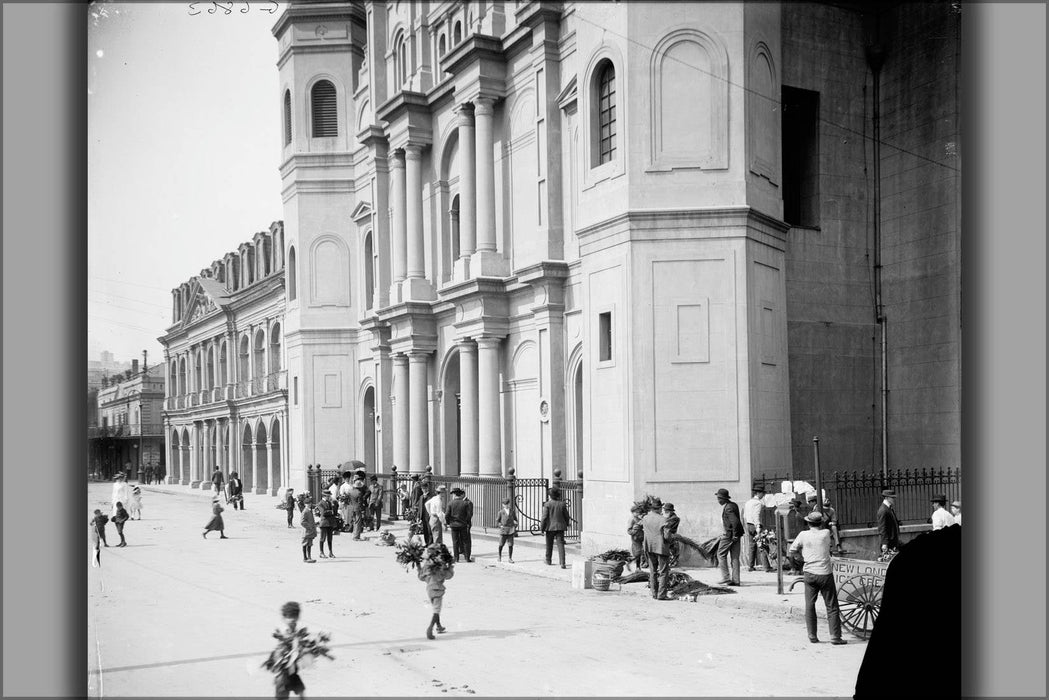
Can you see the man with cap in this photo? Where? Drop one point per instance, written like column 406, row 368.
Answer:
column 752, row 523
column 940, row 517
column 657, row 550
column 459, row 516
column 956, row 511
column 435, row 515
column 888, row 524
column 729, row 547
column 814, row 545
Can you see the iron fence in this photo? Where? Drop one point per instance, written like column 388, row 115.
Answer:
column 856, row 495
column 486, row 493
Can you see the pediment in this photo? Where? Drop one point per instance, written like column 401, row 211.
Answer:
column 206, row 296
column 362, row 211
column 567, row 97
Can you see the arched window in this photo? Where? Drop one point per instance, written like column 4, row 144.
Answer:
column 402, row 60
column 292, row 274
column 605, row 141
column 287, row 117
column 457, row 35
column 441, row 46
column 323, row 110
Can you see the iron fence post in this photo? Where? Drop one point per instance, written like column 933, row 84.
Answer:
column 819, row 476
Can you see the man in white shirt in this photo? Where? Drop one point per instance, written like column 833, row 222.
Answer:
column 435, row 508
column 940, row 517
column 956, row 511
column 752, row 528
column 814, row 545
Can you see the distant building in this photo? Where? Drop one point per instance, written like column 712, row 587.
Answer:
column 128, row 425
column 226, row 394
column 105, row 366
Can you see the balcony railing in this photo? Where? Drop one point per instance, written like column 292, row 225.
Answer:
column 127, row 430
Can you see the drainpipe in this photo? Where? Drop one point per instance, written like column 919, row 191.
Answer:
column 875, row 58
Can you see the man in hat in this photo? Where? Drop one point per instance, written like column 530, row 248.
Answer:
column 888, row 524
column 729, row 547
column 435, row 510
column 940, row 517
column 459, row 516
column 670, row 532
column 814, row 545
column 956, row 512
column 657, row 550
column 752, row 525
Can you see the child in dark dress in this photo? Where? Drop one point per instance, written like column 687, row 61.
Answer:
column 119, row 519
column 216, row 522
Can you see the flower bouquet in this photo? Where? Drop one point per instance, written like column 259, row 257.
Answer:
column 296, row 649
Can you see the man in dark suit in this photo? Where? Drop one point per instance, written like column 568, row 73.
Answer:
column 657, row 550
column 729, row 547
column 888, row 525
column 459, row 516
column 553, row 524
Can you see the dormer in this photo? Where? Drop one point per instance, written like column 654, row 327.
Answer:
column 230, row 262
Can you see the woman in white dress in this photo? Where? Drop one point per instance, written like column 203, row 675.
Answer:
column 121, row 492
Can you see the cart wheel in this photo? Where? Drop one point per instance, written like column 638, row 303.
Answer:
column 859, row 602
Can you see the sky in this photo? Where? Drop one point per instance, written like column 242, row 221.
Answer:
column 183, row 149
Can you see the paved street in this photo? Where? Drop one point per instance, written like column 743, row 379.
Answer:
column 175, row 615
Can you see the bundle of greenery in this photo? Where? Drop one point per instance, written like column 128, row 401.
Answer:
column 614, row 555
column 436, row 557
column 644, row 506
column 386, row 539
column 410, row 553
column 296, row 649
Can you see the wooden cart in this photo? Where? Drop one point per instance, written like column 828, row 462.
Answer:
column 859, row 583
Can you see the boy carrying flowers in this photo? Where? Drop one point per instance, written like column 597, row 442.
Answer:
column 434, row 565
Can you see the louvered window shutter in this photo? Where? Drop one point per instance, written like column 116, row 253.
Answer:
column 325, row 118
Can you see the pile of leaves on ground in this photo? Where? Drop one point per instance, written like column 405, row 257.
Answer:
column 680, row 585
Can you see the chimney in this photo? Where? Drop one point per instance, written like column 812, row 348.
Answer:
column 134, row 367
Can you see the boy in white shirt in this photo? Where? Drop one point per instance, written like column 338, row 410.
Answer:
column 814, row 544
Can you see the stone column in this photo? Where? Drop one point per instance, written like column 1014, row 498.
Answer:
column 398, row 227
column 206, row 467
column 467, row 193
column 400, row 411
column 416, row 266
column 483, row 112
column 486, row 260
column 416, row 287
column 234, row 445
column 420, row 433
column 489, row 420
column 468, row 402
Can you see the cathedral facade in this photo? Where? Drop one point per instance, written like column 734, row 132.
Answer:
column 660, row 245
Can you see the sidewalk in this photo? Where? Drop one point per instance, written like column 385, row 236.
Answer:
column 757, row 592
